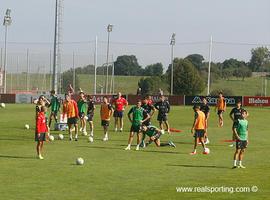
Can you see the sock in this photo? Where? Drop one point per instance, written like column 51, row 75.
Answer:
column 164, row 144
column 138, row 146
column 129, row 145
column 121, row 129
column 234, row 162
column 76, row 135
column 240, row 162
column 106, row 135
column 194, row 151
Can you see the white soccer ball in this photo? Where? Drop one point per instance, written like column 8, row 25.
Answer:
column 51, row 138
column 91, row 139
column 79, row 161
column 3, row 105
column 26, row 126
column 60, row 137
column 162, row 132
column 206, row 150
column 84, row 133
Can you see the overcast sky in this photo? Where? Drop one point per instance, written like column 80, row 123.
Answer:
column 140, row 23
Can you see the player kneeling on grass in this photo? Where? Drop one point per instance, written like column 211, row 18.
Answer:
column 198, row 129
column 41, row 130
column 106, row 111
column 138, row 118
column 241, row 134
column 154, row 136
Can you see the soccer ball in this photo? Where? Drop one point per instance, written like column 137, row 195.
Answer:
column 85, row 117
column 51, row 138
column 162, row 132
column 26, row 126
column 60, row 137
column 91, row 139
column 206, row 150
column 3, row 105
column 84, row 133
column 79, row 161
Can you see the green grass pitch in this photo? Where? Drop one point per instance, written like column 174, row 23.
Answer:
column 110, row 172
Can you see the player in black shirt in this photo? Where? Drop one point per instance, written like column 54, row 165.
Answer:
column 235, row 114
column 90, row 114
column 163, row 108
column 206, row 110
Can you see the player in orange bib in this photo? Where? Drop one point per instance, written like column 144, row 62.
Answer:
column 106, row 111
column 198, row 129
column 221, row 107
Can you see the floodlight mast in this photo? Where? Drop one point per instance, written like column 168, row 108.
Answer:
column 172, row 58
column 6, row 23
column 109, row 30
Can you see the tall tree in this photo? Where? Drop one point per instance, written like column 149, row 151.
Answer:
column 260, row 59
column 127, row 65
column 187, row 80
column 196, row 60
column 154, row 70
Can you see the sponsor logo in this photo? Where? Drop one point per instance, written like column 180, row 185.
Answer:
column 213, row 100
column 257, row 101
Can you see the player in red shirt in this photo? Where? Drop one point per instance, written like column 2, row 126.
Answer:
column 119, row 106
column 41, row 130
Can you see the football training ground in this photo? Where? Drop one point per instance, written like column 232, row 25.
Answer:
column 109, row 172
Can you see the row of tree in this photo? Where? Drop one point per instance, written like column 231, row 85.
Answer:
column 190, row 73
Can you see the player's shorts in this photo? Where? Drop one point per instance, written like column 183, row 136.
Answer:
column 90, row 117
column 105, row 123
column 119, row 114
column 40, row 137
column 199, row 133
column 235, row 124
column 241, row 144
column 147, row 122
column 81, row 115
column 72, row 120
column 220, row 112
column 135, row 128
column 162, row 118
column 157, row 136
column 54, row 112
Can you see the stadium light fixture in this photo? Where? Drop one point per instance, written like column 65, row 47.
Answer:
column 6, row 23
column 172, row 58
column 109, row 30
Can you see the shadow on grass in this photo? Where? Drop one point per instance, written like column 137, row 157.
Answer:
column 199, row 166
column 166, row 152
column 98, row 147
column 15, row 139
column 15, row 157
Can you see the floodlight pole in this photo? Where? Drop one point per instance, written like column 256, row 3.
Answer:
column 209, row 65
column 95, row 72
column 74, row 72
column 54, row 75
column 7, row 22
column 172, row 58
column 109, row 30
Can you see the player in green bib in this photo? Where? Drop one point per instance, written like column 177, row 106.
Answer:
column 82, row 108
column 139, row 116
column 154, row 135
column 241, row 135
column 55, row 106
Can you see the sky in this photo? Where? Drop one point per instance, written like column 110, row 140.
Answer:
column 142, row 28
